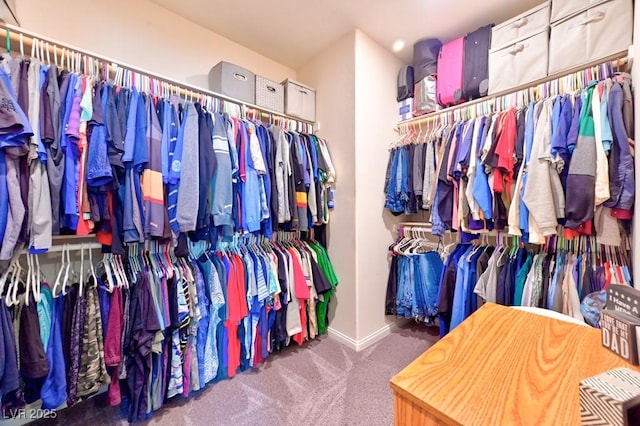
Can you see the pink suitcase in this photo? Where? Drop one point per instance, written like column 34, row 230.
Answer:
column 450, row 66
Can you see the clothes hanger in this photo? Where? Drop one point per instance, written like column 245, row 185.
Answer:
column 4, row 277
column 133, row 259
column 29, row 279
column 81, row 281
column 92, row 269
column 124, row 280
column 12, row 293
column 65, row 282
column 37, row 280
column 107, row 272
column 57, row 282
column 122, row 271
column 110, row 258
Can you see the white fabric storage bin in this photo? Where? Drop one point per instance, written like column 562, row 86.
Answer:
column 525, row 25
column 233, row 81
column 269, row 94
column 519, row 63
column 590, row 35
column 299, row 100
column 563, row 8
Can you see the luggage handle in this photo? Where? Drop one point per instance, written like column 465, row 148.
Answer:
column 516, row 49
column 520, row 23
column 240, row 77
column 598, row 16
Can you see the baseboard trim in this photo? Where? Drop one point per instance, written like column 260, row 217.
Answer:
column 362, row 344
column 375, row 337
column 342, row 338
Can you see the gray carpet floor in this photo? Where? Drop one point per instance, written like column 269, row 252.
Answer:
column 321, row 383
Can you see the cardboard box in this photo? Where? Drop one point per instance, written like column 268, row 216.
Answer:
column 611, row 398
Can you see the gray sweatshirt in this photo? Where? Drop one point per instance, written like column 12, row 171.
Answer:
column 188, row 191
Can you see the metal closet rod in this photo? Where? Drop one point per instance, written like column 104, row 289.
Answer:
column 619, row 59
column 55, row 49
column 71, row 247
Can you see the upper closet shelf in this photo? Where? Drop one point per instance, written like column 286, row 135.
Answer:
column 24, row 41
column 520, row 95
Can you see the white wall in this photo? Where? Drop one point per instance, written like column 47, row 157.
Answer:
column 332, row 74
column 376, row 115
column 356, row 90
column 144, row 35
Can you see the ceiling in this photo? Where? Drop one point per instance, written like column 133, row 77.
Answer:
column 293, row 31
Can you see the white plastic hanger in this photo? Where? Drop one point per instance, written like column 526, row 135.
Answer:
column 81, row 281
column 12, row 292
column 34, row 48
column 114, row 267
column 92, row 269
column 36, row 281
column 108, row 273
column 65, row 283
column 29, row 279
column 120, row 271
column 4, row 277
column 57, row 283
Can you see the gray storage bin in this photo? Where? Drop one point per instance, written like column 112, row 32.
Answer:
column 233, row 81
column 590, row 35
column 561, row 9
column 300, row 100
column 269, row 94
column 521, row 62
column 525, row 25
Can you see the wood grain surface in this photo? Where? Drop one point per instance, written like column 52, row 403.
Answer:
column 502, row 366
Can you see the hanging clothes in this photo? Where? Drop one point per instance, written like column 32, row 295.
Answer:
column 530, row 171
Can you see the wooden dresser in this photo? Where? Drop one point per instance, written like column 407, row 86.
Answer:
column 502, row 366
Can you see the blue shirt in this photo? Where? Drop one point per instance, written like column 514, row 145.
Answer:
column 70, row 184
column 481, row 189
column 263, row 137
column 553, row 287
column 464, row 299
column 528, row 145
column 572, row 137
column 464, row 149
column 4, row 196
column 251, row 209
column 21, row 129
column 607, row 135
column 453, row 258
column 42, row 151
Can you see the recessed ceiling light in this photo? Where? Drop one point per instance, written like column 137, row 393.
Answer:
column 397, row 45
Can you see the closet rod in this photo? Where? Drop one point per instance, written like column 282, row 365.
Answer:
column 619, row 59
column 55, row 48
column 70, row 247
